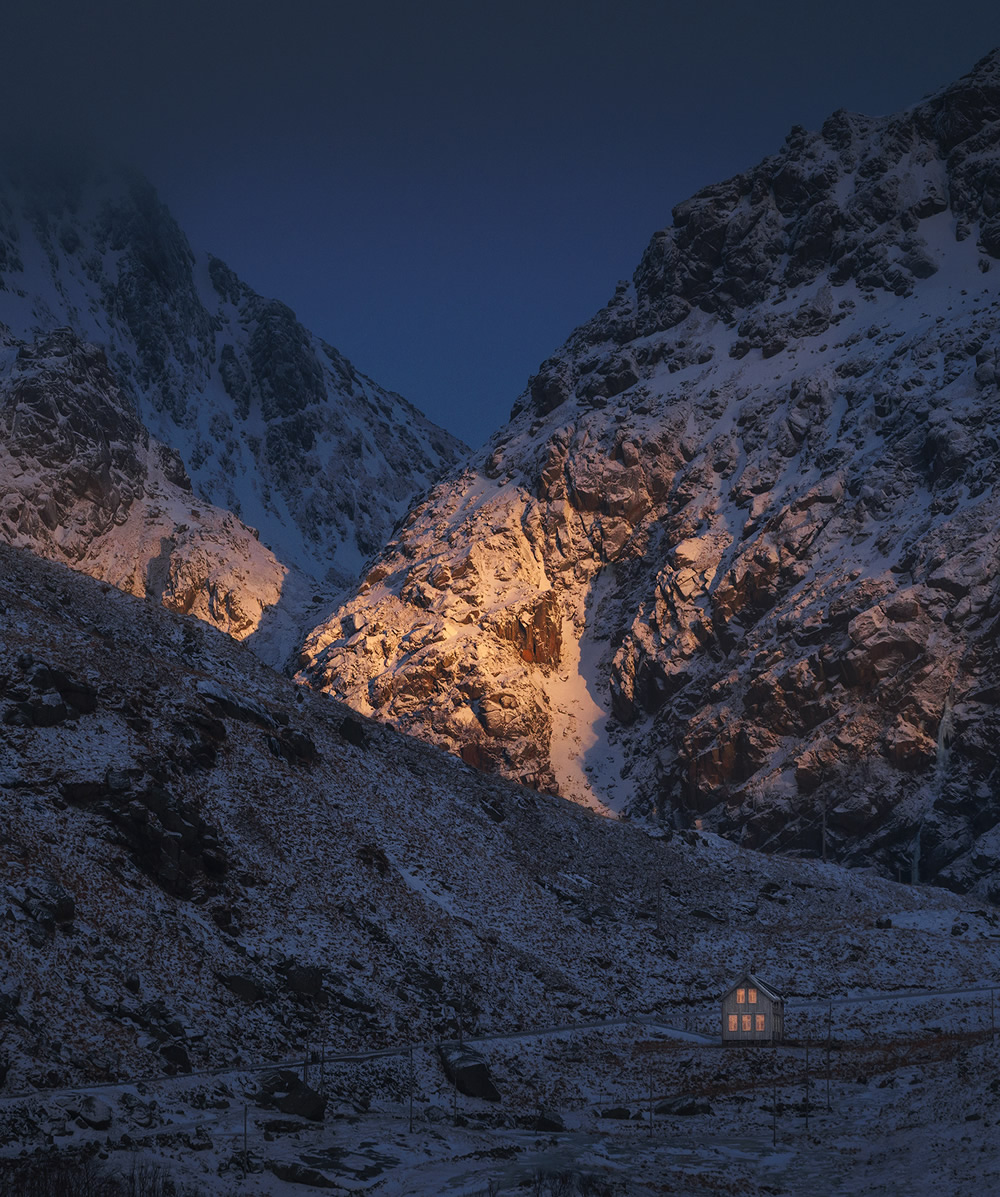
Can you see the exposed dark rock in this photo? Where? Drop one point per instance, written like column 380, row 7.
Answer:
column 244, row 987
column 296, row 1173
column 685, row 1106
column 468, row 1071
column 304, row 980
column 374, row 857
column 353, row 731
column 176, row 1054
column 294, row 747
column 544, row 1122
column 168, row 839
column 44, row 900
column 286, row 1091
column 92, row 1111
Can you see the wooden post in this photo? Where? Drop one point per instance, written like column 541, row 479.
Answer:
column 774, row 1112
column 305, row 1066
column 411, row 1089
column 829, row 1032
column 807, row 1087
column 824, row 833
column 246, row 1153
column 993, row 1022
column 650, row 1101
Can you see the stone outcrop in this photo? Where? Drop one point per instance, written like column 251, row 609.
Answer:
column 759, row 486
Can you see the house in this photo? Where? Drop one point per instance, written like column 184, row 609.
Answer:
column 752, row 1012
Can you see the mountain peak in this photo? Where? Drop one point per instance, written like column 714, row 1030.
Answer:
column 271, row 422
column 733, row 560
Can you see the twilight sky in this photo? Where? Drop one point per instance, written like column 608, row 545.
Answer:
column 443, row 189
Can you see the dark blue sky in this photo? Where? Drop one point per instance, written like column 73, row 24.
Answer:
column 444, row 189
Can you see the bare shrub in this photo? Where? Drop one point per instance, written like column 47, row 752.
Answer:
column 73, row 1176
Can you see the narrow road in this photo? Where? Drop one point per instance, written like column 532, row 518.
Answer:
column 650, row 1021
column 899, row 996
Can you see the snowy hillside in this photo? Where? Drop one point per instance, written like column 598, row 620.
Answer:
column 206, row 867
column 733, row 561
column 271, row 423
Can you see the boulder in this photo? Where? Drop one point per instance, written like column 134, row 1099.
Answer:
column 94, row 1112
column 296, row 1173
column 468, row 1071
column 544, row 1121
column 244, row 987
column 284, row 1090
column 685, row 1106
column 176, row 1054
column 304, row 980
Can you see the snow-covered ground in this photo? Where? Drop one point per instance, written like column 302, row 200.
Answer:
column 900, row 1109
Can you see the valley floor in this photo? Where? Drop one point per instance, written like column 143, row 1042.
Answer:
column 904, row 1098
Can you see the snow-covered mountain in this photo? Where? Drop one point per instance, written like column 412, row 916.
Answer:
column 83, row 483
column 734, row 559
column 271, row 423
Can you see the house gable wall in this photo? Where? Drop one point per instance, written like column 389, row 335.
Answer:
column 766, row 1015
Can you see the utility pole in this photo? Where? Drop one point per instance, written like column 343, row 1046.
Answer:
column 824, row 833
column 246, row 1153
column 650, row 1101
column 806, row 1103
column 829, row 1032
column 411, row 1088
column 461, row 1006
column 774, row 1111
column 993, row 1023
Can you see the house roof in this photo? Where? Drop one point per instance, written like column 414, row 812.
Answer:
column 754, row 980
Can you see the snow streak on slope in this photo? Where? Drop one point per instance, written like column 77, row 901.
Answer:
column 588, row 766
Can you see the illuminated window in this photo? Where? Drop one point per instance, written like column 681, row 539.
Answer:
column 741, row 997
column 760, row 1022
column 734, row 1022
column 746, row 1022
column 752, row 996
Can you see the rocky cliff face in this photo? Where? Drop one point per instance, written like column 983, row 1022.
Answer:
column 271, row 422
column 734, row 558
column 85, row 484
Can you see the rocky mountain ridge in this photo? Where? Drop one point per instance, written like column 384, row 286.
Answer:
column 268, row 421
column 733, row 559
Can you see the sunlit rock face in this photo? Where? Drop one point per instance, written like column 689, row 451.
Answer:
column 758, row 488
column 271, row 422
column 85, row 484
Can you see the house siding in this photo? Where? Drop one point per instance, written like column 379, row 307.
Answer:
column 765, row 1008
